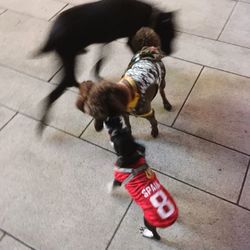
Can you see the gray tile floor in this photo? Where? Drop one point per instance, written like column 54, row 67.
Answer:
column 53, row 189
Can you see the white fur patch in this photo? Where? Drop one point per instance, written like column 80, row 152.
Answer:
column 147, row 233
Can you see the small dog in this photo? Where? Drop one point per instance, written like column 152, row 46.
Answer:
column 100, row 22
column 132, row 95
column 132, row 171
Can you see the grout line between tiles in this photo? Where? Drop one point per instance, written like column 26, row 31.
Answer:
column 3, row 11
column 183, row 104
column 85, row 128
column 154, row 169
column 229, row 16
column 243, row 183
column 202, row 138
column 22, row 72
column 1, row 128
column 27, row 15
column 15, row 238
column 210, row 67
column 55, row 74
column 118, row 226
column 66, row 4
column 200, row 189
column 213, row 39
column 2, row 235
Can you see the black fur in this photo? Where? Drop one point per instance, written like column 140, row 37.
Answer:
column 100, row 22
column 128, row 152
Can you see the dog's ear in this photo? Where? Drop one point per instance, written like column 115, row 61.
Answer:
column 98, row 124
column 84, row 90
column 166, row 17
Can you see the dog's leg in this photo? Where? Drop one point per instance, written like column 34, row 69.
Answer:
column 127, row 122
column 97, row 67
column 166, row 103
column 113, row 186
column 98, row 124
column 150, row 231
column 68, row 80
column 153, row 122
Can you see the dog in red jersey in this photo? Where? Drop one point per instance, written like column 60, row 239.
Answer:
column 132, row 171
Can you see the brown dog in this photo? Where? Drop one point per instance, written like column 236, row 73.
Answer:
column 133, row 94
column 100, row 22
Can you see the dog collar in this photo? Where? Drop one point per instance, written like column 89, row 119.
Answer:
column 133, row 103
column 133, row 172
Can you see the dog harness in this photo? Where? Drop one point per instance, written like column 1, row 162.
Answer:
column 145, row 69
column 142, row 184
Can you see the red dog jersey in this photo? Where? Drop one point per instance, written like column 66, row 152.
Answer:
column 157, row 204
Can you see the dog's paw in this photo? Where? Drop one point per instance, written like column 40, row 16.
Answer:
column 155, row 132
column 146, row 233
column 110, row 187
column 113, row 190
column 168, row 106
column 149, row 234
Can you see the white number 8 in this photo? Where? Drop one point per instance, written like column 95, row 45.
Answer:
column 161, row 204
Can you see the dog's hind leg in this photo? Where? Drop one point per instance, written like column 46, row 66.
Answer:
column 150, row 231
column 98, row 66
column 68, row 80
column 154, row 124
column 166, row 103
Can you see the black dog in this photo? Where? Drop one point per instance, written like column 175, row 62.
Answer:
column 100, row 22
column 140, row 181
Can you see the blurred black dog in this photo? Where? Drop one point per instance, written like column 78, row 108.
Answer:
column 141, row 182
column 100, row 22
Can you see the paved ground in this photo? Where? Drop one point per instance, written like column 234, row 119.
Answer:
column 53, row 189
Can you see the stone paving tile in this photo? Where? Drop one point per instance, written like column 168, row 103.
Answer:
column 66, row 8
column 26, row 94
column 38, row 8
column 200, row 163
column 20, row 36
column 5, row 116
column 2, row 10
column 245, row 197
column 8, row 243
column 218, row 109
column 55, row 189
column 205, row 222
column 77, row 2
column 213, row 53
column 1, row 235
column 237, row 30
column 199, row 17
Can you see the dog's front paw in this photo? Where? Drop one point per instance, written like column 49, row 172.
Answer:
column 168, row 106
column 146, row 232
column 112, row 189
column 149, row 234
column 154, row 132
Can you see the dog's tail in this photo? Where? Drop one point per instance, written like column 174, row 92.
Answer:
column 47, row 47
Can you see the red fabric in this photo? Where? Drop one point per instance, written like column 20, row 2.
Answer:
column 156, row 202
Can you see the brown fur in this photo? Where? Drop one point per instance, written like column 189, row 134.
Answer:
column 145, row 37
column 105, row 99
column 102, row 100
